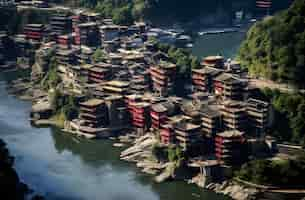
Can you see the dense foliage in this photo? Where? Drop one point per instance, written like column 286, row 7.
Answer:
column 169, row 154
column 51, row 79
column 289, row 116
column 275, row 47
column 267, row 172
column 98, row 56
column 149, row 8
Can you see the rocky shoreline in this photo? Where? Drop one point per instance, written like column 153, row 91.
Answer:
column 234, row 190
column 139, row 150
column 140, row 153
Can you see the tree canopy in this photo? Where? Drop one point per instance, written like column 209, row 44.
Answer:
column 170, row 9
column 289, row 116
column 267, row 172
column 275, row 47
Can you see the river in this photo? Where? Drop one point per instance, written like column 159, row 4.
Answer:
column 62, row 168
column 226, row 44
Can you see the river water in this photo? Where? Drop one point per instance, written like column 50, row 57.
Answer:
column 226, row 44
column 62, row 168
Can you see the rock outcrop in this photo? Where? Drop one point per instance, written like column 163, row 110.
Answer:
column 235, row 191
column 42, row 60
column 141, row 152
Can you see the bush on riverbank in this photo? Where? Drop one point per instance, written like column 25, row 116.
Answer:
column 51, row 79
column 289, row 115
column 171, row 154
column 282, row 173
column 64, row 106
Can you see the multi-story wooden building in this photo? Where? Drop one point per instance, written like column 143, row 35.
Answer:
column 87, row 34
column 116, row 87
column 85, row 55
column 257, row 112
column 93, row 115
column 64, row 41
column 163, row 78
column 141, row 115
column 211, row 121
column 34, row 32
column 230, row 147
column 213, row 61
column 234, row 115
column 158, row 115
column 109, row 32
column 66, row 57
column 187, row 134
column 139, row 112
column 229, row 87
column 99, row 73
column 203, row 79
column 61, row 24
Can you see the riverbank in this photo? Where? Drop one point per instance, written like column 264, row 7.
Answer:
column 141, row 153
column 76, row 168
column 131, row 148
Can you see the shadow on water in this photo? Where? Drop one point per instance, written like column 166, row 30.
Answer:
column 93, row 152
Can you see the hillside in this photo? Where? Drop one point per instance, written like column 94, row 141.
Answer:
column 206, row 12
column 275, row 47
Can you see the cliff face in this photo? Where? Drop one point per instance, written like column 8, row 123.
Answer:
column 207, row 12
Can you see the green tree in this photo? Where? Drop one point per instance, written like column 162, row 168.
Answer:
column 274, row 48
column 98, row 56
column 123, row 15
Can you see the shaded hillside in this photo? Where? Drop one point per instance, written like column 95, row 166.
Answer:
column 220, row 11
column 275, row 47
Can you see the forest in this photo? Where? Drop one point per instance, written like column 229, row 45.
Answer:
column 275, row 47
column 125, row 11
column 267, row 172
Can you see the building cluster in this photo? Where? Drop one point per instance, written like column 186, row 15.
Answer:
column 132, row 85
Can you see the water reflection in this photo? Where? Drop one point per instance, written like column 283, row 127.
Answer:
column 56, row 165
column 225, row 44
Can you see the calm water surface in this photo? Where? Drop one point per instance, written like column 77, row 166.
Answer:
column 61, row 168
column 226, row 44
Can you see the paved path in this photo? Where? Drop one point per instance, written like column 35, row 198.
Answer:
column 260, row 83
